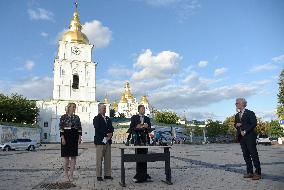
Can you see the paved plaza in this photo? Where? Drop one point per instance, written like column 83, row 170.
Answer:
column 212, row 166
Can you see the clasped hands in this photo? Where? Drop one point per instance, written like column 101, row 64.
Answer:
column 63, row 141
column 141, row 126
column 109, row 135
column 238, row 125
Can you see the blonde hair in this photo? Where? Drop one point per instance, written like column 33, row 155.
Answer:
column 68, row 106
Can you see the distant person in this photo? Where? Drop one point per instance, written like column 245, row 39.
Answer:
column 140, row 126
column 245, row 123
column 70, row 133
column 103, row 135
column 158, row 137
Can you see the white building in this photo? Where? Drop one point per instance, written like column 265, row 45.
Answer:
column 128, row 105
column 74, row 81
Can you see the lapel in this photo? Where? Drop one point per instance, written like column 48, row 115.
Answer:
column 244, row 115
column 103, row 121
column 238, row 117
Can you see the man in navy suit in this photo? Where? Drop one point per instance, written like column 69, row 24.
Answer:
column 140, row 126
column 103, row 134
column 245, row 123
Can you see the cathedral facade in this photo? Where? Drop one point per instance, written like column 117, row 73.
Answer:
column 128, row 105
column 74, row 81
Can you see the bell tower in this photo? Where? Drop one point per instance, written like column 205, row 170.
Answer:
column 74, row 71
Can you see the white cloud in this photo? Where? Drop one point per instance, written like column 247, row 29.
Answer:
column 278, row 59
column 59, row 35
column 264, row 67
column 266, row 115
column 98, row 35
column 195, row 115
column 29, row 64
column 162, row 2
column 32, row 87
column 220, row 71
column 183, row 97
column 113, row 88
column 202, row 63
column 163, row 65
column 44, row 34
column 119, row 71
column 187, row 8
column 193, row 80
column 183, row 8
column 40, row 14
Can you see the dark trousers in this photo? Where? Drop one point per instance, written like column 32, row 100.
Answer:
column 248, row 145
column 141, row 167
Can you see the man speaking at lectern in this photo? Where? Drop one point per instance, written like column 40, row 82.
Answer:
column 140, row 126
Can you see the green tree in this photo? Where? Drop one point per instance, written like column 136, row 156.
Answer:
column 112, row 113
column 195, row 130
column 166, row 117
column 262, row 126
column 230, row 122
column 280, row 107
column 216, row 128
column 275, row 129
column 121, row 115
column 17, row 109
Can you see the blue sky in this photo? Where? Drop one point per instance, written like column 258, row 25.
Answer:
column 191, row 56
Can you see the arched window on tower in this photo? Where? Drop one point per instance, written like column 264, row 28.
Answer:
column 75, row 84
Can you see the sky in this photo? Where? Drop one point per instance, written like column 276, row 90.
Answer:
column 194, row 57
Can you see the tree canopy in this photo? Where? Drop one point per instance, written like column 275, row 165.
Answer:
column 166, row 117
column 280, row 95
column 17, row 109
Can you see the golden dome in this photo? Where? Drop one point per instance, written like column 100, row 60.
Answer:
column 144, row 100
column 106, row 99
column 127, row 84
column 127, row 91
column 128, row 95
column 114, row 105
column 74, row 33
column 123, row 99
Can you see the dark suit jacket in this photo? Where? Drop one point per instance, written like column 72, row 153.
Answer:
column 142, row 134
column 102, row 128
column 248, row 122
column 135, row 120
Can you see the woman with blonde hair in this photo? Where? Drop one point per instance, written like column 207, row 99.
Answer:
column 70, row 133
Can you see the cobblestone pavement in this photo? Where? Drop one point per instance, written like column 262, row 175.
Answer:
column 213, row 166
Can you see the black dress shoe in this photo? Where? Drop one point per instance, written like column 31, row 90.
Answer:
column 99, row 178
column 137, row 181
column 108, row 177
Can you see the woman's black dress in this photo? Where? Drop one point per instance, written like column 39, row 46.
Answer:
column 70, row 127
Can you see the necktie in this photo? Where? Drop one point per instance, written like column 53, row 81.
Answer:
column 142, row 119
column 240, row 115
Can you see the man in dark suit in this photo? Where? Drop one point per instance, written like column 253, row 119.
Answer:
column 245, row 123
column 140, row 127
column 103, row 134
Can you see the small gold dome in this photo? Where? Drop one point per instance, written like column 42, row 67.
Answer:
column 127, row 91
column 114, row 105
column 74, row 33
column 128, row 95
column 144, row 100
column 106, row 99
column 123, row 99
